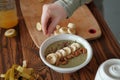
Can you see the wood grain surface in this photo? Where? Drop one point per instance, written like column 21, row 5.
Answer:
column 15, row 50
column 82, row 18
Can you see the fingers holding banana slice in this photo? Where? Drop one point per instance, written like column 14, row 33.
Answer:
column 70, row 29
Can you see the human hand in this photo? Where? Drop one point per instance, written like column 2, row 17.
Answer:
column 52, row 14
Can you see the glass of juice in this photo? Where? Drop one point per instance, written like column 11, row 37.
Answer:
column 8, row 14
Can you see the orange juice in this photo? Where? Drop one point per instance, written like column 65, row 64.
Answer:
column 8, row 18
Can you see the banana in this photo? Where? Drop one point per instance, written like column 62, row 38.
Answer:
column 71, row 25
column 62, row 51
column 77, row 45
column 63, row 30
column 73, row 48
column 56, row 32
column 51, row 58
column 71, row 31
column 58, row 27
column 68, row 50
column 38, row 26
column 24, row 64
column 10, row 33
column 59, row 55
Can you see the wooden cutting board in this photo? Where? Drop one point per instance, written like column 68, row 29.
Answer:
column 86, row 24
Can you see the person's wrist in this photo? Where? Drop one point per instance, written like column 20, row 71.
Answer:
column 62, row 9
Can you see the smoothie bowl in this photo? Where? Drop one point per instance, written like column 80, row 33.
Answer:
column 65, row 53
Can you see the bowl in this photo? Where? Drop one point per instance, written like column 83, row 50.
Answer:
column 72, row 37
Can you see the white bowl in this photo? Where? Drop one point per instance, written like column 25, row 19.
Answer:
column 53, row 39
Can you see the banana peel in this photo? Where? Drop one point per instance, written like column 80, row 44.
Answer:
column 17, row 71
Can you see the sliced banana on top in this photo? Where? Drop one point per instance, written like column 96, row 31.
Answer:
column 63, row 52
column 77, row 45
column 59, row 55
column 68, row 50
column 51, row 58
column 63, row 30
column 71, row 25
column 73, row 48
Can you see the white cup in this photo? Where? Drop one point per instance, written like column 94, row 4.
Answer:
column 109, row 70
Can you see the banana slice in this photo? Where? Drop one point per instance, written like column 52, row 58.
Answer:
column 71, row 25
column 68, row 50
column 2, row 75
column 63, row 30
column 38, row 26
column 58, row 27
column 24, row 64
column 73, row 48
column 63, row 52
column 10, row 33
column 56, row 32
column 71, row 31
column 51, row 58
column 77, row 45
column 59, row 55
